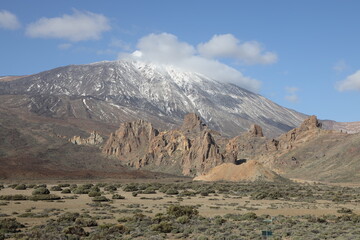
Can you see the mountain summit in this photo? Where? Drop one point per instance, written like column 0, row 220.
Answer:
column 119, row 91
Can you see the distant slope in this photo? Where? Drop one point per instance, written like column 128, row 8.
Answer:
column 114, row 92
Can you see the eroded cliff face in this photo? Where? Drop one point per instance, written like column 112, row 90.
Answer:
column 194, row 149
column 190, row 150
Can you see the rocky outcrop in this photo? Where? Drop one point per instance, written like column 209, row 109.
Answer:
column 190, row 150
column 94, row 139
column 130, row 140
column 194, row 149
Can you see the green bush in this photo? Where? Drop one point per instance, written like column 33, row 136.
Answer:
column 10, row 225
column 66, row 190
column 44, row 197
column 163, row 227
column 172, row 191
column 110, row 188
column 20, row 187
column 117, row 196
column 94, row 194
column 56, row 188
column 41, row 191
column 16, row 197
column 178, row 211
column 100, row 199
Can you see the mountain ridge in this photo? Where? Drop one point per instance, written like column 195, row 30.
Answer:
column 119, row 91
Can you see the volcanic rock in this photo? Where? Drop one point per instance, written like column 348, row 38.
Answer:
column 94, row 139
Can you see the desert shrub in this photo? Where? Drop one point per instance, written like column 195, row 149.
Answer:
column 86, row 222
column 100, row 199
column 56, row 188
column 68, row 217
column 345, row 210
column 75, row 230
column 20, row 187
column 172, row 191
column 117, row 196
column 63, row 185
column 149, row 190
column 40, row 191
column 66, row 190
column 13, row 186
column 40, row 186
column 110, row 188
column 183, row 219
column 16, row 197
column 130, row 188
column 10, row 225
column 94, row 194
column 163, row 227
column 134, row 194
column 187, row 193
column 178, row 211
column 44, row 197
column 33, row 215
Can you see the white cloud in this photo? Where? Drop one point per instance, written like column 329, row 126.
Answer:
column 340, row 66
column 64, row 46
column 79, row 26
column 292, row 94
column 165, row 48
column 227, row 46
column 351, row 83
column 8, row 20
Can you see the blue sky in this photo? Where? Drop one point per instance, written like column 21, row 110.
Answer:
column 304, row 55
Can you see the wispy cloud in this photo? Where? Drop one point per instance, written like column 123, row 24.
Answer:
column 340, row 66
column 166, row 48
column 351, row 83
column 228, row 46
column 9, row 20
column 292, row 94
column 79, row 26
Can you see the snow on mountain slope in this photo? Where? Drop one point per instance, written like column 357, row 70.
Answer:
column 118, row 91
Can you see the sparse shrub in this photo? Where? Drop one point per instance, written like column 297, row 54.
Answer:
column 40, row 191
column 56, row 188
column 44, row 197
column 130, row 188
column 110, row 188
column 100, row 199
column 63, row 185
column 66, row 190
column 163, row 227
column 183, row 219
column 68, row 217
column 149, row 190
column 117, row 196
column 10, row 225
column 94, row 194
column 75, row 230
column 16, row 197
column 85, row 222
column 178, row 211
column 172, row 191
column 20, row 187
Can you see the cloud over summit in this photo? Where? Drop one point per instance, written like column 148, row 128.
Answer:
column 166, row 48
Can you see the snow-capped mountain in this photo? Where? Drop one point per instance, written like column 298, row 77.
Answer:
column 113, row 92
